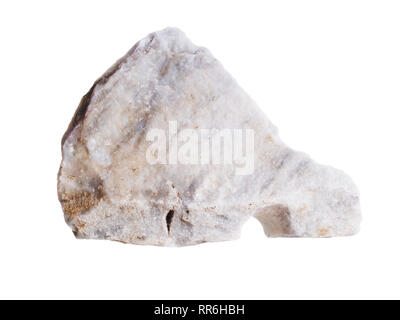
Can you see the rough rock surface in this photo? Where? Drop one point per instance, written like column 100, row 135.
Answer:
column 109, row 190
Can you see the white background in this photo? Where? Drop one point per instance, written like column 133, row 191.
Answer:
column 327, row 73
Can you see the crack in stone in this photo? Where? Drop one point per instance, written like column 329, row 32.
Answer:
column 169, row 218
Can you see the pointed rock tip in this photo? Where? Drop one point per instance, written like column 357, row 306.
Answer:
column 169, row 39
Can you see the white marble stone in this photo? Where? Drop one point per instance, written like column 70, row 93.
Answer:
column 109, row 190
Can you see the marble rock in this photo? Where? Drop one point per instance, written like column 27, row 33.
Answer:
column 113, row 185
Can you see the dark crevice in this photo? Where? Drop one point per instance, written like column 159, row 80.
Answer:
column 170, row 217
